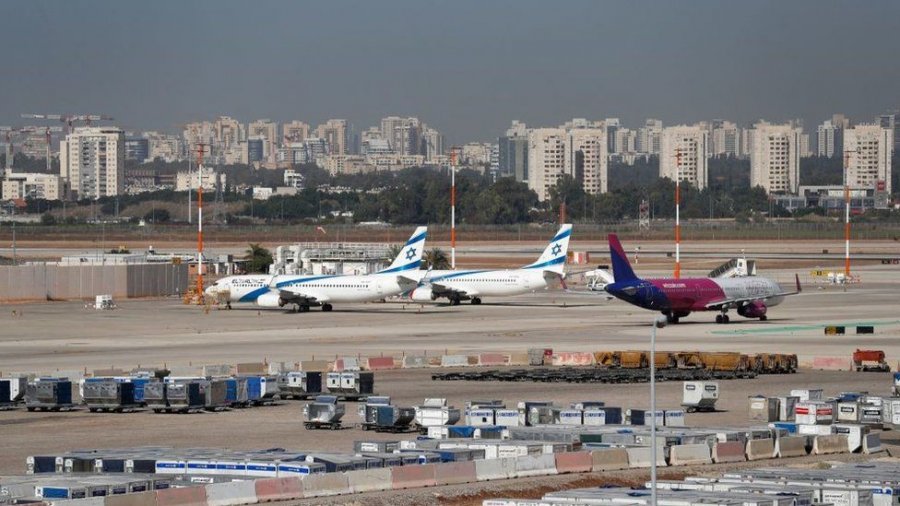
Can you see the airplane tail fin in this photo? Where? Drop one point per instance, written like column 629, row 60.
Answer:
column 553, row 258
column 621, row 266
column 410, row 256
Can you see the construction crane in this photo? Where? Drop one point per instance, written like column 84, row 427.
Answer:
column 9, row 131
column 70, row 119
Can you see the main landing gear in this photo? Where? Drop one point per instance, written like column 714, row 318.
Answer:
column 303, row 308
column 722, row 318
column 454, row 301
column 326, row 307
column 476, row 301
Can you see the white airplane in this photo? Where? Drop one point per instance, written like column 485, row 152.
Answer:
column 457, row 286
column 304, row 291
column 267, row 290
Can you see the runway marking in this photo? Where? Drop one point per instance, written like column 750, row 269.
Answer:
column 791, row 328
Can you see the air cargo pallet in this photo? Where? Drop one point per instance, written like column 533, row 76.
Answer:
column 51, row 407
column 393, row 429
column 323, row 425
column 114, row 409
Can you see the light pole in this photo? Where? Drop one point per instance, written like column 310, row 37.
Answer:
column 658, row 323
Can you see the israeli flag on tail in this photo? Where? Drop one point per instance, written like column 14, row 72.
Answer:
column 410, row 256
column 553, row 259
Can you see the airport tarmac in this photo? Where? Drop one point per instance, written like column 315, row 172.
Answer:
column 65, row 336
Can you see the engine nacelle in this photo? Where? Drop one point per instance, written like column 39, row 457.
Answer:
column 753, row 310
column 270, row 299
column 422, row 294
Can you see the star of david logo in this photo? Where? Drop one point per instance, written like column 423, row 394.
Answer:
column 410, row 253
column 556, row 249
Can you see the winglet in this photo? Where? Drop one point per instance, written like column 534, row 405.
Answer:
column 410, row 256
column 621, row 266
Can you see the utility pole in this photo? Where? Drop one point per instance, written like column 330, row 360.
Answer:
column 200, row 147
column 677, row 214
column 847, row 214
column 452, row 208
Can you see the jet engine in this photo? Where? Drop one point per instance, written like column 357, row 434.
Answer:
column 270, row 299
column 423, row 294
column 755, row 309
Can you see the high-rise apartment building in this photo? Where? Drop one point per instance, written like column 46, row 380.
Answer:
column 649, row 137
column 587, row 158
column 546, row 159
column 195, row 134
column 829, row 139
column 92, row 162
column 683, row 155
column 336, row 133
column 267, row 130
column 868, row 157
column 433, row 144
column 512, row 156
column 578, row 152
column 726, row 139
column 775, row 157
column 892, row 123
column 295, row 131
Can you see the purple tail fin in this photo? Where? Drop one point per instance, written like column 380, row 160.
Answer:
column 621, row 267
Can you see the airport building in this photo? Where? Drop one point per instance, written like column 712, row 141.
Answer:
column 868, row 160
column 92, row 162
column 683, row 155
column 775, row 157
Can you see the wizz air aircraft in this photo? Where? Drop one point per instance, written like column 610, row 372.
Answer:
column 472, row 285
column 676, row 298
column 305, row 291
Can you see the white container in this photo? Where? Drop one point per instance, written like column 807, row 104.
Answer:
column 848, row 412
column 807, row 395
column 674, row 418
column 480, row 417
column 855, row 434
column 786, row 407
column 431, row 416
column 571, row 417
column 812, row 413
column 701, row 395
column 594, row 417
column 437, row 432
column 814, row 430
column 506, row 417
column 333, row 381
column 890, row 413
column 764, row 409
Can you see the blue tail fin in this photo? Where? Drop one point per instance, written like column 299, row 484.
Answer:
column 621, row 267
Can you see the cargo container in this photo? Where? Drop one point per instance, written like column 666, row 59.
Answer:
column 540, row 356
column 607, row 359
column 323, row 413
column 665, row 360
column 221, row 393
column 507, row 417
column 542, row 415
column 587, row 405
column 393, row 418
column 110, row 395
column 435, row 412
column 815, row 413
column 848, row 412
column 786, row 407
column 594, row 417
column 871, row 414
column 300, row 384
column 674, row 418
column 486, row 404
column 261, row 389
column 764, row 409
column 896, row 388
column 855, row 434
column 807, row 395
column 51, row 394
column 634, row 359
column 700, row 395
column 571, row 417
column 689, row 360
column 375, row 446
column 480, row 416
column 725, row 361
column 890, row 415
column 642, row 417
column 182, row 397
column 12, row 391
column 354, row 385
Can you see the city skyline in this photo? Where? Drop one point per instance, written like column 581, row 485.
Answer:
column 466, row 67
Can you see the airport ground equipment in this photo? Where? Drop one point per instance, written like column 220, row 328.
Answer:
column 590, row 375
column 188, row 396
column 699, row 395
column 261, row 389
column 300, row 385
column 110, row 395
column 325, row 412
column 435, row 412
column 388, row 418
column 12, row 391
column 48, row 394
column 350, row 386
column 870, row 360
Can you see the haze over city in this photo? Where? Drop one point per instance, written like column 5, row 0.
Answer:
column 468, row 67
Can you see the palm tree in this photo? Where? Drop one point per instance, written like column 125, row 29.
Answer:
column 436, row 259
column 258, row 259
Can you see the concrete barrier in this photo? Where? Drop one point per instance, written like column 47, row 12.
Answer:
column 313, row 365
column 232, row 493
column 346, row 364
column 412, row 476
column 518, row 359
column 493, row 359
column 729, row 451
column 827, row 445
column 454, row 473
column 325, row 485
column 690, row 455
column 434, row 361
column 215, row 370
column 369, row 480
column 185, row 496
column 454, row 361
column 537, row 465
column 760, row 449
column 87, row 501
column 790, row 446
column 472, row 359
column 831, row 363
column 414, row 362
column 639, row 458
column 872, row 443
column 574, row 462
column 141, row 499
column 576, row 358
column 609, row 459
column 495, row 469
column 278, row 489
column 251, row 368
column 379, row 363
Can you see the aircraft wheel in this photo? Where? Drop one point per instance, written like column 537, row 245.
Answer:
column 725, row 318
column 718, row 318
column 454, row 302
column 763, row 318
column 304, row 308
column 326, row 307
column 476, row 301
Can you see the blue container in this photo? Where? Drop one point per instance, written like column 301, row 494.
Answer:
column 461, row 431
column 139, row 388
column 613, row 415
column 254, row 388
column 788, row 426
column 230, row 391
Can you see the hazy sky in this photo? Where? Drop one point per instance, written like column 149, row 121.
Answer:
column 465, row 67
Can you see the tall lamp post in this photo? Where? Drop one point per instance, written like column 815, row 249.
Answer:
column 658, row 323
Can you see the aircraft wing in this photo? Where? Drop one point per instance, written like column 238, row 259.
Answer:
column 441, row 290
column 738, row 302
column 303, row 298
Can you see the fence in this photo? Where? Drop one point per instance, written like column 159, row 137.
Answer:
column 34, row 282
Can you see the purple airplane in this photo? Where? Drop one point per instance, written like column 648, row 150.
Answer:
column 676, row 298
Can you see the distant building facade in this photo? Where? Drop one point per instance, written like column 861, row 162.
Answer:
column 92, row 162
column 775, row 158
column 869, row 148
column 683, row 155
